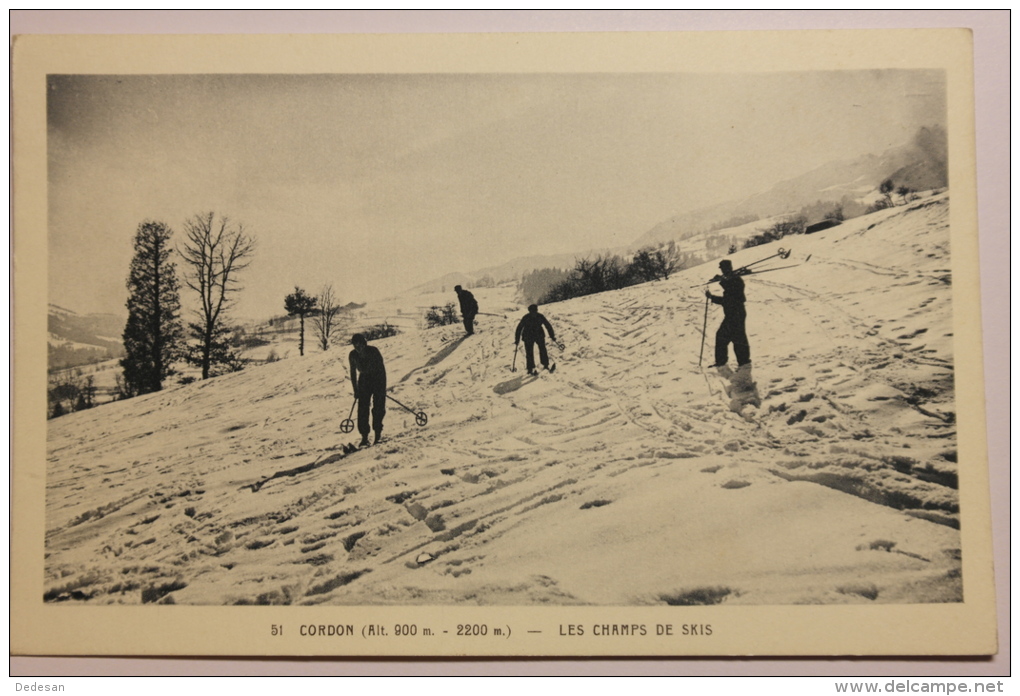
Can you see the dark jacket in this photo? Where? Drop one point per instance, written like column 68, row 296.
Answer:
column 468, row 304
column 732, row 299
column 530, row 327
column 367, row 368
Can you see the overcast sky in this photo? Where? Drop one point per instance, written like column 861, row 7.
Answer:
column 377, row 183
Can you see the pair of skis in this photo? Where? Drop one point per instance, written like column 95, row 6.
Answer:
column 748, row 270
column 513, row 365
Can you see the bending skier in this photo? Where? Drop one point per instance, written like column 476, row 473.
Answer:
column 368, row 377
column 468, row 308
column 530, row 328
column 732, row 329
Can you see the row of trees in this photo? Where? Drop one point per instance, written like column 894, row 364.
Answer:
column 70, row 390
column 155, row 337
column 534, row 285
column 844, row 210
column 792, row 225
column 612, row 272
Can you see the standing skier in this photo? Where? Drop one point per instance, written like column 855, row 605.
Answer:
column 530, row 329
column 732, row 329
column 368, row 376
column 468, row 308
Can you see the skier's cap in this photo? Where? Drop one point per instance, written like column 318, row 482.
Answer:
column 725, row 263
column 358, row 339
column 533, row 308
column 457, row 288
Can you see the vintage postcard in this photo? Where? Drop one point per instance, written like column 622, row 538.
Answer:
column 498, row 345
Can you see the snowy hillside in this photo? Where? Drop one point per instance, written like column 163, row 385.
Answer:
column 627, row 477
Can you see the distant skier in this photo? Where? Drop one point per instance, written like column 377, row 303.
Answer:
column 732, row 329
column 468, row 308
column 530, row 329
column 368, row 376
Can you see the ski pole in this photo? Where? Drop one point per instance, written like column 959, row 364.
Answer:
column 419, row 416
column 704, row 333
column 347, row 425
column 513, row 366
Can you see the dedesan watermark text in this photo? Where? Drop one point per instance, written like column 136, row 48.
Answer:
column 18, row 686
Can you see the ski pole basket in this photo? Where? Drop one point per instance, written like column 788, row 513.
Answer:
column 347, row 424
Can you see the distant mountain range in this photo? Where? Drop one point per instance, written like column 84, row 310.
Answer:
column 80, row 339
column 921, row 164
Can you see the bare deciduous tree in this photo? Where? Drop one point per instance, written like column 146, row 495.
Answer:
column 326, row 323
column 215, row 252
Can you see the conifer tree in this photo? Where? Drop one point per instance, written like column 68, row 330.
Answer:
column 299, row 304
column 153, row 334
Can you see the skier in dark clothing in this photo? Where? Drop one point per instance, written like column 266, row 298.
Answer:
column 368, row 376
column 732, row 329
column 468, row 308
column 530, row 329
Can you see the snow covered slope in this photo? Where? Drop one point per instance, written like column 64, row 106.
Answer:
column 627, row 477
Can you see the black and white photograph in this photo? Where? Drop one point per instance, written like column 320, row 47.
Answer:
column 677, row 344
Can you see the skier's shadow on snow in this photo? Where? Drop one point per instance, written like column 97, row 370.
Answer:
column 513, row 384
column 257, row 486
column 439, row 357
column 444, row 353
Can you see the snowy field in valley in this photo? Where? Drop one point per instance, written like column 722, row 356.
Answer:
column 627, row 477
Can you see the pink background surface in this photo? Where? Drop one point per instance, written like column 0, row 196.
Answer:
column 991, row 61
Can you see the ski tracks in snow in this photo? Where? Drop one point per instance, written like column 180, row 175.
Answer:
column 855, row 391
